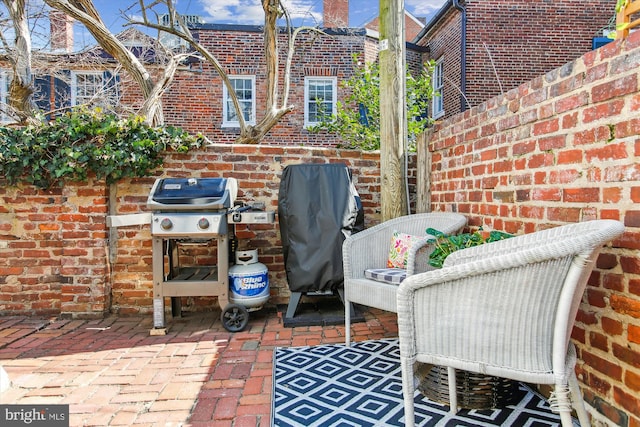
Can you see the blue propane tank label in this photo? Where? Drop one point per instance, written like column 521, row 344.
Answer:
column 249, row 285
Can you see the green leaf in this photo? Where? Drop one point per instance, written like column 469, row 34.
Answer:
column 447, row 244
column 84, row 141
column 363, row 99
column 621, row 4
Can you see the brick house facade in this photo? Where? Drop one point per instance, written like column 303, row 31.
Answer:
column 522, row 39
column 195, row 99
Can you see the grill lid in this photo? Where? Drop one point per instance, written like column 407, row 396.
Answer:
column 189, row 194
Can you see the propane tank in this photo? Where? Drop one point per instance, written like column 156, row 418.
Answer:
column 249, row 280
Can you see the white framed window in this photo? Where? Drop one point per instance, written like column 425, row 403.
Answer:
column 86, row 86
column 437, row 79
column 320, row 95
column 245, row 89
column 93, row 88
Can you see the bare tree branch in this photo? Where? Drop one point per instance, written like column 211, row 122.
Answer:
column 185, row 34
column 274, row 111
column 154, row 101
column 85, row 12
column 21, row 87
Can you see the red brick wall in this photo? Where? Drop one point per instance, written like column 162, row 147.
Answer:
column 57, row 257
column 53, row 250
column 522, row 39
column 541, row 35
column 564, row 147
column 258, row 169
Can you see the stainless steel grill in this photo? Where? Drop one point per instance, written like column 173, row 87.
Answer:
column 189, row 211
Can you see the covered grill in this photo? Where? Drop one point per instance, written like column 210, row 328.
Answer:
column 318, row 207
column 189, row 211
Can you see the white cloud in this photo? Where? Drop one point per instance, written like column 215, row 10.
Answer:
column 304, row 10
column 233, row 11
column 250, row 12
column 423, row 7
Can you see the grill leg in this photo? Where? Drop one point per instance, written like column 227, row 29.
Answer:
column 176, row 307
column 158, row 312
column 294, row 299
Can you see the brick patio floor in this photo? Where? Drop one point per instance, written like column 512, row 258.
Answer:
column 113, row 372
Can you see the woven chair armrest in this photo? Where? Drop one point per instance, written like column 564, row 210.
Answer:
column 502, row 297
column 599, row 230
column 370, row 248
column 366, row 249
column 418, row 256
column 481, row 305
column 510, row 253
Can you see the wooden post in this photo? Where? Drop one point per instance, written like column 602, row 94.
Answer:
column 624, row 17
column 393, row 121
column 423, row 172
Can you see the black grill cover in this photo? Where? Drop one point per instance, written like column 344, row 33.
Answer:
column 318, row 207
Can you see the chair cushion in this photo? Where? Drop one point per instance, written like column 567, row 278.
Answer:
column 400, row 245
column 392, row 276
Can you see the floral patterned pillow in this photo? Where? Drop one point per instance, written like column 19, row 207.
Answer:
column 400, row 245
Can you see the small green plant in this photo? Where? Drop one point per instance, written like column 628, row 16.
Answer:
column 357, row 119
column 447, row 244
column 87, row 141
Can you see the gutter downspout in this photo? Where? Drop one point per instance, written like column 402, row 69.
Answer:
column 463, row 55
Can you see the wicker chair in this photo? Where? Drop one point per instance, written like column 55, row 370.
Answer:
column 369, row 249
column 504, row 309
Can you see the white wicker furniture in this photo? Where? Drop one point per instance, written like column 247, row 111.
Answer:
column 504, row 309
column 369, row 249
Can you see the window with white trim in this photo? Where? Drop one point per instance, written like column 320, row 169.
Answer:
column 245, row 90
column 437, row 102
column 93, row 88
column 320, row 95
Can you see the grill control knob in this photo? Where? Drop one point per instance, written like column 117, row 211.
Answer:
column 166, row 224
column 203, row 224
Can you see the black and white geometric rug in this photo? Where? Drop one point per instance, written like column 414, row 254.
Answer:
column 332, row 385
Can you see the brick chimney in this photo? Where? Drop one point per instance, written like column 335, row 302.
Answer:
column 335, row 13
column 61, row 31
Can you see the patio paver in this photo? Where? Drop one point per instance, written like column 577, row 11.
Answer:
column 112, row 372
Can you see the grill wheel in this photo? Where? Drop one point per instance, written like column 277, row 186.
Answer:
column 234, row 317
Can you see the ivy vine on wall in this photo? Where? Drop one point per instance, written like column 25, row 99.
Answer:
column 82, row 142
